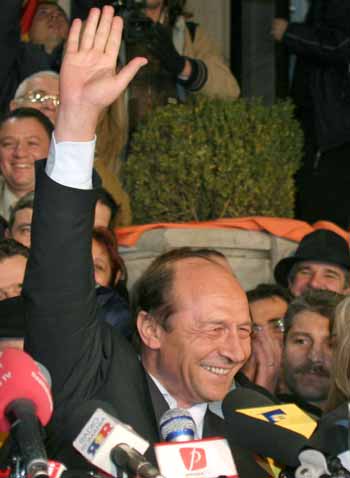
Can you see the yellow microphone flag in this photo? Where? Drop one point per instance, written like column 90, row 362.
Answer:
column 286, row 415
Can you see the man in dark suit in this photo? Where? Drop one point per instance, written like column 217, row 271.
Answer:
column 191, row 314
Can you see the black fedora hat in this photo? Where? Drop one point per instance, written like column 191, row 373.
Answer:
column 321, row 245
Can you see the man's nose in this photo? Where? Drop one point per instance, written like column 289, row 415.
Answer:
column 234, row 348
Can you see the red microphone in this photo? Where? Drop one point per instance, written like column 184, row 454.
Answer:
column 25, row 405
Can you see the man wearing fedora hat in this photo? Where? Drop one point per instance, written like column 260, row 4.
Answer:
column 321, row 261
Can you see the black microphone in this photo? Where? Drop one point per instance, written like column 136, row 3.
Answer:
column 258, row 436
column 88, row 423
column 131, row 461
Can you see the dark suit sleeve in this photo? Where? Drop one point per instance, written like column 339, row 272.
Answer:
column 320, row 43
column 61, row 329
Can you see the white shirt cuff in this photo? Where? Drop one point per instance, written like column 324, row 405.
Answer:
column 71, row 163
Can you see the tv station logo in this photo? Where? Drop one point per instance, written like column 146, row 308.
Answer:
column 100, row 437
column 193, row 458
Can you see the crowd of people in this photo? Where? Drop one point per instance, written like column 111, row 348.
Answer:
column 188, row 334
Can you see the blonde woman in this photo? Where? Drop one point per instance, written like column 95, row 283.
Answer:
column 332, row 435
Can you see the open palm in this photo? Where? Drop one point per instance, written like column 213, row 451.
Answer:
column 88, row 76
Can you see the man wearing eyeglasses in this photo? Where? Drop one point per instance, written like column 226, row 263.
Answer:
column 267, row 305
column 39, row 91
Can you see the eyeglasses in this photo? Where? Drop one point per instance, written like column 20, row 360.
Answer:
column 39, row 96
column 276, row 326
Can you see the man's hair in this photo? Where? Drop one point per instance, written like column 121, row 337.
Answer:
column 268, row 291
column 295, row 268
column 323, row 302
column 152, row 293
column 23, row 86
column 10, row 248
column 24, row 113
column 25, row 202
column 106, row 198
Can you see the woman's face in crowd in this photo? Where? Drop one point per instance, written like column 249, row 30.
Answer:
column 102, row 265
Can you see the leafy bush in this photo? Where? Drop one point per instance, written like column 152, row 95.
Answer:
column 213, row 158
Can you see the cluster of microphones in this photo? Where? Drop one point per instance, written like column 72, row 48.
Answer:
column 115, row 449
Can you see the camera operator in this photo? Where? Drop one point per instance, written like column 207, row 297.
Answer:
column 182, row 60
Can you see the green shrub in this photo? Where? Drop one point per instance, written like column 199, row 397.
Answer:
column 213, row 158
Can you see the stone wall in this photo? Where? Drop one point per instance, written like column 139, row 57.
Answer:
column 252, row 254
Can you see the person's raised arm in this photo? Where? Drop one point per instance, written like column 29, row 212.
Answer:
column 63, row 332
column 88, row 79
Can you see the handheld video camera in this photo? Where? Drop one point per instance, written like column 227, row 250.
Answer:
column 136, row 23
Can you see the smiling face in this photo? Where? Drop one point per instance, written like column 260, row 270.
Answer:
column 315, row 275
column 307, row 357
column 22, row 142
column 208, row 338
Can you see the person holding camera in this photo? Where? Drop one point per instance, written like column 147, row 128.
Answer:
column 182, row 60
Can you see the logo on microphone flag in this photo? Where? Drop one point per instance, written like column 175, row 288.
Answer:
column 193, row 458
column 205, row 458
column 287, row 416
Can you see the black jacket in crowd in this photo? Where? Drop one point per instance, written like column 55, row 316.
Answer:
column 321, row 86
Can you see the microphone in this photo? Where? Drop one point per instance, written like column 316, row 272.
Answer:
column 177, row 425
column 268, row 433
column 108, row 443
column 184, row 456
column 25, row 405
column 132, row 461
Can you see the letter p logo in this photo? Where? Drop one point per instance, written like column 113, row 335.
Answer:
column 193, row 458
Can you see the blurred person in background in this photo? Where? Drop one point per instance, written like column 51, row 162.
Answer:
column 39, row 91
column 268, row 304
column 308, row 350
column 13, row 262
column 182, row 60
column 25, row 136
column 106, row 210
column 321, row 92
column 332, row 434
column 19, row 59
column 20, row 221
column 110, row 278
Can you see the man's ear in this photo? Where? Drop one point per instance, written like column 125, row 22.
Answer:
column 149, row 330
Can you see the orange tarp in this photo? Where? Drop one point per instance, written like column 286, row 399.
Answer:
column 286, row 228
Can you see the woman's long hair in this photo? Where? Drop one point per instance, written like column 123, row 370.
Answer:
column 340, row 384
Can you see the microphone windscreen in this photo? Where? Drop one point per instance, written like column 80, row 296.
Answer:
column 177, row 424
column 261, row 437
column 332, row 434
column 21, row 378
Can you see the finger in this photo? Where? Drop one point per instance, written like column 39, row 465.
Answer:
column 128, row 72
column 114, row 39
column 73, row 36
column 89, row 32
column 104, row 32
